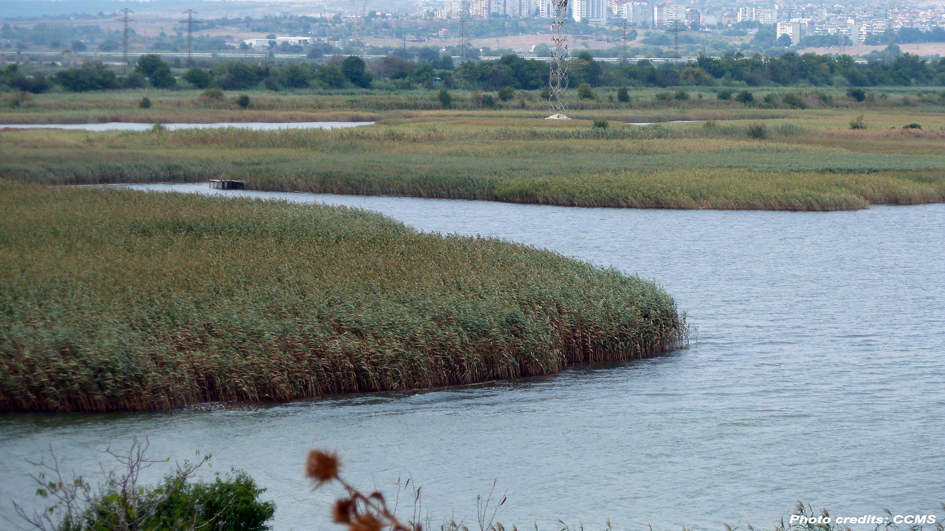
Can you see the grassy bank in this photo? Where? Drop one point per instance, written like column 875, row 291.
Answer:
column 645, row 105
column 120, row 300
column 802, row 160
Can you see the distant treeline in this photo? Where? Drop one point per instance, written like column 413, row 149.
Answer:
column 395, row 73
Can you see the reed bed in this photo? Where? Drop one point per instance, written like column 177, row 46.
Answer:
column 115, row 300
column 800, row 163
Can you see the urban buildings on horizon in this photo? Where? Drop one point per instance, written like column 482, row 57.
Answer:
column 855, row 22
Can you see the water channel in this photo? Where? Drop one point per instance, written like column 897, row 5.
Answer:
column 128, row 126
column 817, row 375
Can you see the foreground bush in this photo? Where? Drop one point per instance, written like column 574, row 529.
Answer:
column 121, row 300
column 122, row 503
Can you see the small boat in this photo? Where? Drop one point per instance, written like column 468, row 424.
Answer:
column 226, row 184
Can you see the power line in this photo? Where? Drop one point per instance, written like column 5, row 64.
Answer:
column 125, row 18
column 463, row 31
column 558, row 77
column 676, row 38
column 840, row 32
column 359, row 29
column 190, row 35
column 623, row 57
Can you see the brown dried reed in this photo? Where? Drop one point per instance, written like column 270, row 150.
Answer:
column 359, row 512
column 116, row 300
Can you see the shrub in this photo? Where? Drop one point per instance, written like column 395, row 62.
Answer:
column 145, row 103
column 724, row 94
column 121, row 503
column 228, row 504
column 214, row 93
column 601, row 124
column 90, row 76
column 157, row 71
column 243, row 101
column 197, row 77
column 482, row 100
column 16, row 99
column 446, row 99
column 585, row 92
column 663, row 96
column 759, row 131
column 912, row 126
column 134, row 80
column 330, row 76
column 623, row 96
column 857, row 94
column 682, row 95
column 745, row 97
column 793, row 101
column 354, row 70
column 506, row 93
column 859, row 123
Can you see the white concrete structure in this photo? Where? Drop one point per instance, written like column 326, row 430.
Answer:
column 594, row 11
column 261, row 43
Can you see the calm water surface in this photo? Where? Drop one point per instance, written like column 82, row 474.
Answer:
column 817, row 375
column 126, row 126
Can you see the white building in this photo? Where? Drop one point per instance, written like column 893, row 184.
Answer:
column 292, row 41
column 746, row 14
column 791, row 29
column 767, row 16
column 594, row 11
column 637, row 13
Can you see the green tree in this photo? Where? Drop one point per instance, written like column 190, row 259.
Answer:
column 745, row 97
column 446, row 100
column 585, row 92
column 242, row 75
column 91, row 76
column 157, row 72
column 298, row 75
column 623, row 96
column 585, row 69
column 197, row 77
column 355, row 71
column 330, row 76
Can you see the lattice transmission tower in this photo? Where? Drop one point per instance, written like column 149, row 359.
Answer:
column 359, row 29
column 889, row 27
column 676, row 39
column 463, row 31
column 190, row 35
column 560, row 57
column 840, row 35
column 124, row 41
column 623, row 54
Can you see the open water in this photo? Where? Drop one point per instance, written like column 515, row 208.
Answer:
column 128, row 126
column 818, row 374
